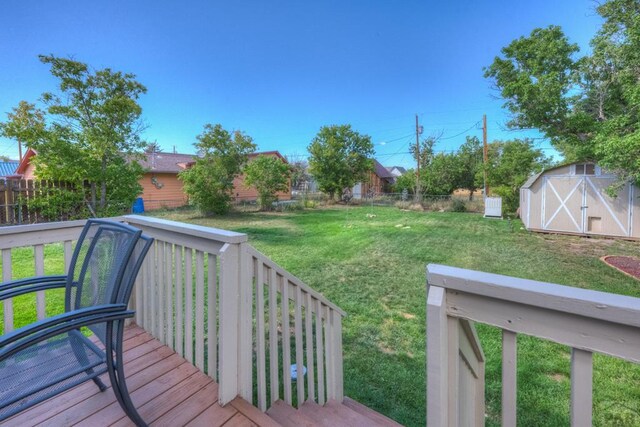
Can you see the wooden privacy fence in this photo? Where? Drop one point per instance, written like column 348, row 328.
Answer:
column 587, row 321
column 15, row 195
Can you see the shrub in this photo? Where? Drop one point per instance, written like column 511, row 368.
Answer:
column 458, row 205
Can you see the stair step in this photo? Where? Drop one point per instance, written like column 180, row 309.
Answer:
column 286, row 415
column 370, row 413
column 322, row 415
column 350, row 416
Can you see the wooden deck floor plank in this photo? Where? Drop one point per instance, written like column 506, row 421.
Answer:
column 148, row 392
column 253, row 413
column 158, row 406
column 186, row 411
column 152, row 353
column 239, row 420
column 214, row 416
column 98, row 401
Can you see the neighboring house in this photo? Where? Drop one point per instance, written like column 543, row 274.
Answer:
column 161, row 187
column 396, row 171
column 379, row 181
column 572, row 199
column 8, row 169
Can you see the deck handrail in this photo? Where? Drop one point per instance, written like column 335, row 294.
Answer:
column 195, row 293
column 585, row 320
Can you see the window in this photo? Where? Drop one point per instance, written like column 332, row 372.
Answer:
column 585, row 169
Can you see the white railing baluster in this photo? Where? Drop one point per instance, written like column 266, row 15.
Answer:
column 160, row 289
column 320, row 353
column 188, row 304
column 330, row 359
column 212, row 315
column 245, row 333
column 286, row 341
column 168, row 274
column 581, row 387
column 308, row 318
column 260, row 343
column 200, row 310
column 38, row 253
column 509, row 378
column 179, row 330
column 338, row 377
column 273, row 336
column 8, row 303
column 299, row 350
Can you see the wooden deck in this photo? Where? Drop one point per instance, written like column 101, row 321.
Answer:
column 166, row 389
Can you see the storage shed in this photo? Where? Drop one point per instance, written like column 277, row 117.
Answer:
column 572, row 199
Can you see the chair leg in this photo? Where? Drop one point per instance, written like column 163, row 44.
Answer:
column 116, row 375
column 99, row 383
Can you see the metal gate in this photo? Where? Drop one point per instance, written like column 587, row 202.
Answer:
column 580, row 204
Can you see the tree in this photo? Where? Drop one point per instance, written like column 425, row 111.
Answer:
column 152, row 147
column 91, row 131
column 510, row 164
column 26, row 124
column 586, row 106
column 269, row 175
column 471, row 166
column 441, row 175
column 339, row 158
column 209, row 183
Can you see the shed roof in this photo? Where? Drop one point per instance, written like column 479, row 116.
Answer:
column 533, row 178
column 8, row 168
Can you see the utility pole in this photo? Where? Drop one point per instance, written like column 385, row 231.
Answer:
column 485, row 153
column 19, row 151
column 418, row 195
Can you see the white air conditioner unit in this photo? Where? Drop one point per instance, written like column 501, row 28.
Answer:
column 493, row 207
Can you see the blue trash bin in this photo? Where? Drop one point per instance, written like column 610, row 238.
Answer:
column 138, row 206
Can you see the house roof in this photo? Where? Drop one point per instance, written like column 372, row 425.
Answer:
column 253, row 156
column 166, row 162
column 380, row 170
column 400, row 169
column 8, row 168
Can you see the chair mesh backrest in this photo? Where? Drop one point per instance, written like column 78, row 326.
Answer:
column 104, row 264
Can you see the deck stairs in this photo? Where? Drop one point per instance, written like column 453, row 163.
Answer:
column 333, row 414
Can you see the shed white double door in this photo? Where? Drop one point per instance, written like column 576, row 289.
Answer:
column 580, row 204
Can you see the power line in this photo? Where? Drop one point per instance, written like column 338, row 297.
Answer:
column 461, row 133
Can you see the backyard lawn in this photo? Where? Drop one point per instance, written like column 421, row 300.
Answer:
column 371, row 262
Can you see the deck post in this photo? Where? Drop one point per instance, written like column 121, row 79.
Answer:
column 437, row 360
column 229, row 322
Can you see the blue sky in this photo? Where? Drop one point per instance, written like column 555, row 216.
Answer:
column 279, row 70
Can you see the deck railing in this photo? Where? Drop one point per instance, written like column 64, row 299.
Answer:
column 587, row 321
column 216, row 301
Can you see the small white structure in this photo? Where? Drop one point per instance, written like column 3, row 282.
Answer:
column 493, row 207
column 573, row 199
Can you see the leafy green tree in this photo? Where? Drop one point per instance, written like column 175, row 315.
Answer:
column 91, row 131
column 339, row 158
column 510, row 165
column 269, row 175
column 26, row 124
column 471, row 165
column 406, row 181
column 587, row 106
column 441, row 175
column 209, row 183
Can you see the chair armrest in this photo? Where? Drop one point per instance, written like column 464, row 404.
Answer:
column 25, row 337
column 15, row 288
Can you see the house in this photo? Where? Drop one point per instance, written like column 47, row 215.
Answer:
column 572, row 198
column 378, row 182
column 396, row 171
column 161, row 187
column 8, row 169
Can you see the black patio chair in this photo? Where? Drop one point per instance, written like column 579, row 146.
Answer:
column 52, row 355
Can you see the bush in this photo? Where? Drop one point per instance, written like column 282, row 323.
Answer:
column 58, row 204
column 458, row 205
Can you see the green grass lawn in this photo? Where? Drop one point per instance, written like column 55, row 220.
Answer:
column 361, row 259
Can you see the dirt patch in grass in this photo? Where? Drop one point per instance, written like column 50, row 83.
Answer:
column 626, row 264
column 579, row 246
